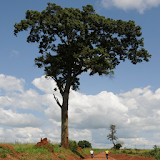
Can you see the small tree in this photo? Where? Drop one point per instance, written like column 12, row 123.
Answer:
column 84, row 144
column 111, row 136
column 73, row 145
column 119, row 144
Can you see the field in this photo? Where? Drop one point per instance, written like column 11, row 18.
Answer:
column 11, row 151
column 149, row 153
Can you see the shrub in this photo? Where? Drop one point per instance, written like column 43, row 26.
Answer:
column 124, row 151
column 61, row 157
column 152, row 152
column 158, row 155
column 118, row 146
column 155, row 152
column 84, row 144
column 130, row 152
column 73, row 145
column 3, row 152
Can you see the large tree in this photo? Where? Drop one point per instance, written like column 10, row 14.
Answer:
column 89, row 42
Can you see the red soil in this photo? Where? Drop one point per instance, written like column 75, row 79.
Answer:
column 45, row 143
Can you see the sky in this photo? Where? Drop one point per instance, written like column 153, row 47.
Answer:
column 130, row 99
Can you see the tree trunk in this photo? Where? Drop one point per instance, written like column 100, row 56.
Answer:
column 114, row 146
column 64, row 121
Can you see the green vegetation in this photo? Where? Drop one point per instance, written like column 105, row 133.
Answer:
column 4, row 152
column 73, row 145
column 151, row 153
column 118, row 146
column 62, row 157
column 84, row 144
column 28, row 150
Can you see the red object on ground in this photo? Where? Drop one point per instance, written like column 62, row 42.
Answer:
column 45, row 143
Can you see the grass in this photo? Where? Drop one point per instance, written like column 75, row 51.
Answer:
column 62, row 157
column 134, row 152
column 31, row 152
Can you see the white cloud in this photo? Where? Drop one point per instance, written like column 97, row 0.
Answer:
column 132, row 112
column 45, row 85
column 80, row 135
column 139, row 5
column 157, row 136
column 23, row 135
column 10, row 118
column 10, row 83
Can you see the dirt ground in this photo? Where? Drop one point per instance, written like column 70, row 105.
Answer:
column 99, row 156
column 102, row 156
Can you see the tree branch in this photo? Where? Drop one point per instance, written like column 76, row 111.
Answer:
column 60, row 89
column 57, row 101
column 82, row 70
column 62, row 39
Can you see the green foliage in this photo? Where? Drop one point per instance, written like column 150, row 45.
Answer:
column 73, row 145
column 62, row 157
column 157, row 156
column 84, row 144
column 114, row 152
column 118, row 146
column 3, row 152
column 124, row 151
column 130, row 152
column 79, row 31
column 155, row 152
column 137, row 150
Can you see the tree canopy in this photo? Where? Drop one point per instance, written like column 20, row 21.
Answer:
column 89, row 42
column 84, row 144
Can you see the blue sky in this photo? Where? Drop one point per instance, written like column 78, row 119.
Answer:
column 130, row 100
